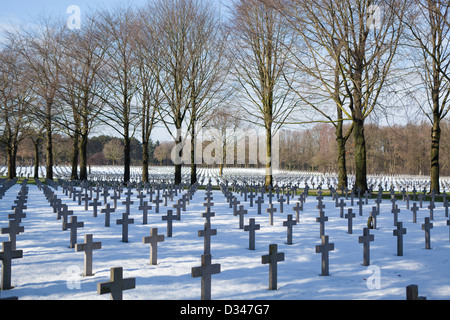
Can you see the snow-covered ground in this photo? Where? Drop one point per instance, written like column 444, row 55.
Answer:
column 49, row 269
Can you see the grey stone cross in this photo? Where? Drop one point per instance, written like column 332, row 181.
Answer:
column 325, row 248
column 117, row 284
column 272, row 259
column 399, row 232
column 251, row 228
column 153, row 239
column 6, row 255
column 88, row 246
column 205, row 271
column 366, row 238
column 289, row 223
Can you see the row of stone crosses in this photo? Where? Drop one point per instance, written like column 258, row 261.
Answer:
column 86, row 193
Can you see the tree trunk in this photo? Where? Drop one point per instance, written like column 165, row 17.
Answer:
column 193, row 164
column 435, row 141
column 269, row 179
column 83, row 156
column 36, row 158
column 342, row 167
column 360, row 155
column 145, row 160
column 10, row 162
column 49, row 148
column 127, row 159
column 75, row 155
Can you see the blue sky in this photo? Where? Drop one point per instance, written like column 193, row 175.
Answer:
column 25, row 11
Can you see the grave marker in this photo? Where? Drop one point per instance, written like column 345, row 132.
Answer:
column 73, row 225
column 366, row 238
column 399, row 232
column 88, row 246
column 6, row 255
column 153, row 239
column 205, row 271
column 289, row 223
column 349, row 216
column 251, row 228
column 272, row 259
column 206, row 233
column 325, row 248
column 169, row 218
column 117, row 284
column 427, row 226
column 125, row 221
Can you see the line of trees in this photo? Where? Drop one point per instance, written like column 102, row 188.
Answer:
column 181, row 63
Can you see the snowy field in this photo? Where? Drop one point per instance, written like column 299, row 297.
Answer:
column 50, row 269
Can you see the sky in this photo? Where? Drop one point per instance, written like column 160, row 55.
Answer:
column 25, row 12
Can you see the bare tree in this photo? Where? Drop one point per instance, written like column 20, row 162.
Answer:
column 187, row 62
column 39, row 48
column 15, row 98
column 260, row 42
column 361, row 39
column 81, row 87
column 149, row 94
column 120, row 76
column 429, row 39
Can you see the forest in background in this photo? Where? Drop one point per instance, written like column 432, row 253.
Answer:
column 391, row 150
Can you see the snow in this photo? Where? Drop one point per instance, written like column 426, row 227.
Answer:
column 50, row 269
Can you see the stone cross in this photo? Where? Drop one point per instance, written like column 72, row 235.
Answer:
column 360, row 204
column 114, row 198
column 206, row 233
column 399, row 232
column 366, row 238
column 272, row 259
column 107, row 211
column 73, row 225
column 13, row 230
column 321, row 219
column 342, row 204
column 88, row 246
column 271, row 209
column 414, row 209
column 127, row 204
column 169, row 218
column 325, row 248
column 6, row 255
column 153, row 239
column 205, row 271
column 281, row 200
column 18, row 215
column 289, row 223
column 251, row 228
column 95, row 204
column 241, row 213
column 125, row 221
column 349, row 216
column 297, row 208
column 207, row 215
column 259, row 201
column 157, row 201
column 431, row 207
column 117, row 284
column 178, row 206
column 145, row 207
column 395, row 211
column 427, row 226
